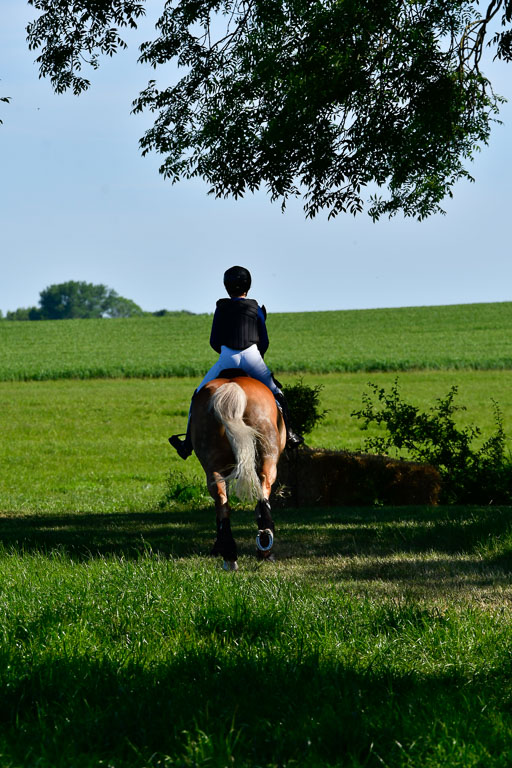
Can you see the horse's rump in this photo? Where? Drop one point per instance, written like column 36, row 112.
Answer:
column 228, row 404
column 236, row 429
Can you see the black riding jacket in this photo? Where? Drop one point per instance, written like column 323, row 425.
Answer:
column 237, row 324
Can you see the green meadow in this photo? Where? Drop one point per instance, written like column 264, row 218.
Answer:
column 101, row 445
column 380, row 637
column 156, row 661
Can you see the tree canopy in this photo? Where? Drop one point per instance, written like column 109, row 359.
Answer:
column 74, row 299
column 6, row 100
column 331, row 100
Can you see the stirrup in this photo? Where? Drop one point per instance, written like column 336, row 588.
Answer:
column 293, row 440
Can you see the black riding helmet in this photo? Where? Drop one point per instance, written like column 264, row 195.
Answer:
column 237, row 280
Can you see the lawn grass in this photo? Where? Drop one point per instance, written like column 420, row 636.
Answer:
column 434, row 555
column 101, row 445
column 144, row 660
column 474, row 336
column 379, row 637
column 81, row 445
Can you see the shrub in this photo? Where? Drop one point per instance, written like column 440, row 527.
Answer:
column 478, row 475
column 304, row 406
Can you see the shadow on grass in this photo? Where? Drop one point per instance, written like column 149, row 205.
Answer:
column 422, row 577
column 299, row 533
column 176, row 533
column 426, row 544
column 427, row 551
column 206, row 710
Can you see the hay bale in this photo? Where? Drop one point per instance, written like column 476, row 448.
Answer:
column 321, row 478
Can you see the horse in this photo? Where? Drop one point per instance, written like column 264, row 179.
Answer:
column 238, row 435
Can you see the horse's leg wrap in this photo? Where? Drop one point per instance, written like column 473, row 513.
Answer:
column 265, row 536
column 225, row 544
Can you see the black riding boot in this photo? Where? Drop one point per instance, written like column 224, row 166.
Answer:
column 183, row 447
column 293, row 440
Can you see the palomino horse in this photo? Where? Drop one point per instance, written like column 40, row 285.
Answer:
column 238, row 435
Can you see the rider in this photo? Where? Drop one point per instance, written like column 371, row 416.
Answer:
column 239, row 335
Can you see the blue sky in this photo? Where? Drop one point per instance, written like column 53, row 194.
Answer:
column 78, row 202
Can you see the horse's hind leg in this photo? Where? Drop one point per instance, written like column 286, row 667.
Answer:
column 265, row 537
column 225, row 544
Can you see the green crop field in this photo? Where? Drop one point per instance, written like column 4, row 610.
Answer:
column 380, row 637
column 477, row 336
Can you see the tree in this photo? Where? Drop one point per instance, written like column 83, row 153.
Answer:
column 319, row 98
column 85, row 300
column 29, row 313
column 121, row 307
column 6, row 100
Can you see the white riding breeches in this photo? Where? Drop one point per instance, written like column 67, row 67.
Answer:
column 249, row 360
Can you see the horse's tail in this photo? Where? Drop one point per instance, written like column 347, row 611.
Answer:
column 228, row 404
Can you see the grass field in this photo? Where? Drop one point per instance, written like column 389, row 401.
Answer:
column 101, row 445
column 477, row 336
column 380, row 637
column 376, row 639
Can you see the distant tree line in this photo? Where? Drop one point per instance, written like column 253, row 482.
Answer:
column 78, row 299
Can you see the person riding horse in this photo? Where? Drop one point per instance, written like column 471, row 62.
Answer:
column 239, row 335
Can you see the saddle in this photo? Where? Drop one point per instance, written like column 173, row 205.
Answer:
column 232, row 373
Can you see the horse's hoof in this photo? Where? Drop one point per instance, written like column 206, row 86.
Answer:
column 266, row 557
column 265, row 540
column 230, row 565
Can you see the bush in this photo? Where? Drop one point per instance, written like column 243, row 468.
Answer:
column 304, row 406
column 469, row 474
